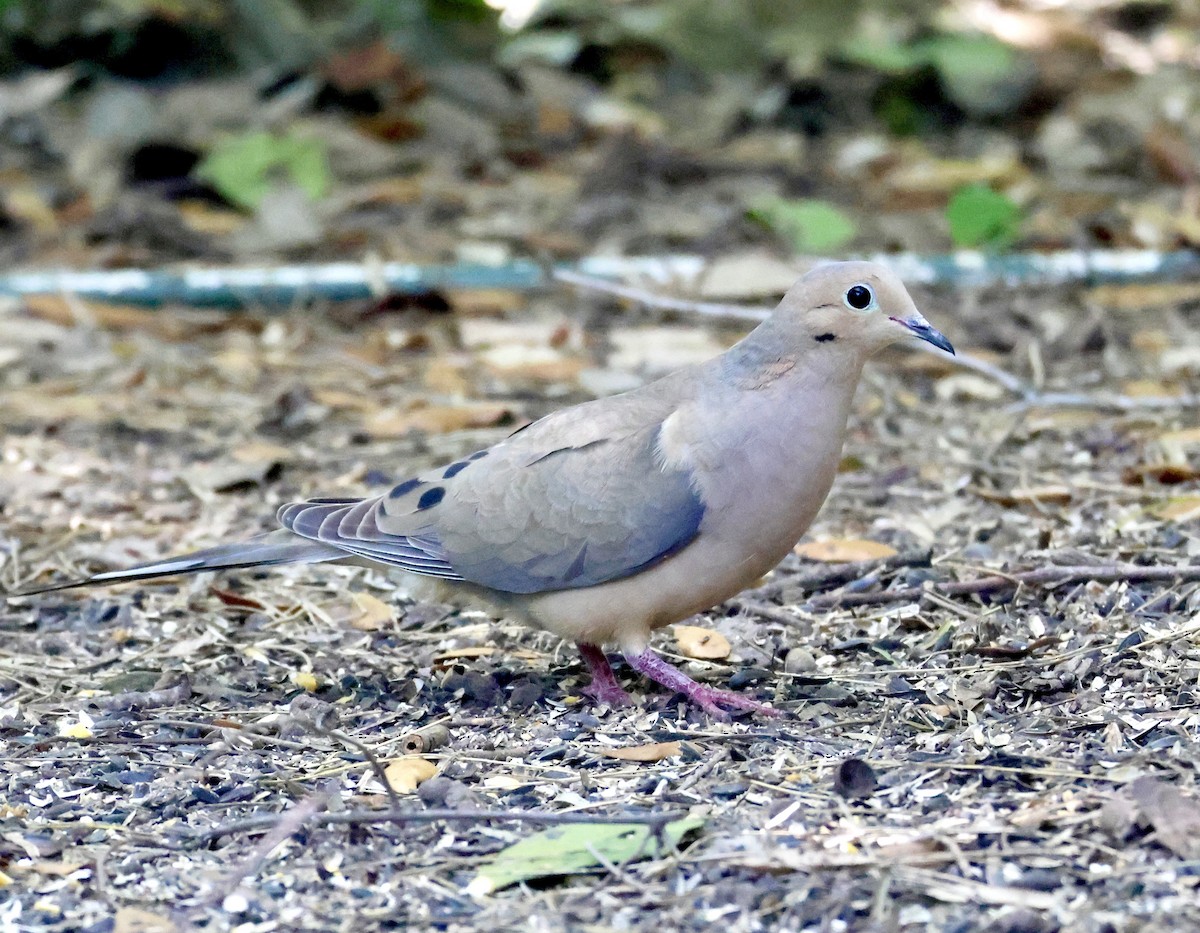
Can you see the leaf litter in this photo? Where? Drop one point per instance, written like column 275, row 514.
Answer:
column 968, row 748
column 973, row 740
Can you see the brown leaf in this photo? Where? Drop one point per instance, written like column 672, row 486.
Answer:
column 1178, row 509
column 405, row 774
column 228, row 475
column 237, row 600
column 1143, row 296
column 434, row 419
column 701, row 643
column 341, row 399
column 364, row 67
column 167, row 325
column 136, row 920
column 374, row 613
column 1052, row 494
column 655, row 751
column 1169, row 474
column 57, row 869
column 467, row 651
column 1184, row 437
column 209, row 220
column 844, row 550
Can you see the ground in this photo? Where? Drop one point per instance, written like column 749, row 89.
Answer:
column 985, row 649
column 1004, row 759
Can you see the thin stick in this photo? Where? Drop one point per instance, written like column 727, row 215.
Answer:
column 286, row 823
column 405, row 817
column 665, row 302
column 1029, row 395
column 1041, row 577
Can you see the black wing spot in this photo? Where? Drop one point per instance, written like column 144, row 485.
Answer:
column 405, row 488
column 825, row 338
column 431, row 497
column 478, row 455
column 454, row 469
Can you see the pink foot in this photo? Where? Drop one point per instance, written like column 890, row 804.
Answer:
column 709, row 699
column 604, row 688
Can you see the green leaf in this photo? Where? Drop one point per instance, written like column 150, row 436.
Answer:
column 975, row 70
column 884, row 56
column 244, row 168
column 982, row 218
column 566, row 850
column 810, row 226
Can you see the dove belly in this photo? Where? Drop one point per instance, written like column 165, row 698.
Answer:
column 770, row 494
column 721, row 562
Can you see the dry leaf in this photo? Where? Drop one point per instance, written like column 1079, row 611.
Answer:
column 1184, row 437
column 261, row 452
column 342, row 400
column 250, row 465
column 305, row 680
column 405, row 774
column 701, row 643
column 374, row 613
column 485, row 302
column 434, row 419
column 503, row 782
column 1052, row 494
column 655, row 751
column 57, row 869
column 468, row 651
column 844, row 550
column 1143, row 296
column 1168, row 474
column 136, row 920
column 1178, row 509
column 211, row 221
column 171, row 326
column 237, row 600
column 1174, row 817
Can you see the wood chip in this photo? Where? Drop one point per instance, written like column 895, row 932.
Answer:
column 655, row 751
column 844, row 550
column 404, row 775
column 701, row 643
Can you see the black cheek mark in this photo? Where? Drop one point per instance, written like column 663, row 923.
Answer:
column 404, row 488
column 454, row 469
column 431, row 497
column 825, row 338
column 478, row 455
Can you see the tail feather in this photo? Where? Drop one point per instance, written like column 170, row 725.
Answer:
column 278, row 547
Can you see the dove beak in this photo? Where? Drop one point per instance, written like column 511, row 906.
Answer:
column 919, row 327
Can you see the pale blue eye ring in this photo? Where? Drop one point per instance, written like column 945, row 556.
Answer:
column 859, row 297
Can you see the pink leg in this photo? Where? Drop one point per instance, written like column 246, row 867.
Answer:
column 709, row 699
column 604, row 687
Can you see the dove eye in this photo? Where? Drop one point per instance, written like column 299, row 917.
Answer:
column 859, row 298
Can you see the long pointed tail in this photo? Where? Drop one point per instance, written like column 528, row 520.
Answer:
column 277, row 547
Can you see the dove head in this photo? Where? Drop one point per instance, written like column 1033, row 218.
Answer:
column 861, row 306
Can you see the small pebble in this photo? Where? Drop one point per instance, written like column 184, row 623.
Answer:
column 799, row 661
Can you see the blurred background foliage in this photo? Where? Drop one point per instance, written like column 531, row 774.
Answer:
column 605, row 39
column 851, row 124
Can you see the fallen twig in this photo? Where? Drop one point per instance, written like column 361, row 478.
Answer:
column 831, row 575
column 1029, row 395
column 286, row 823
column 996, row 583
column 362, row 817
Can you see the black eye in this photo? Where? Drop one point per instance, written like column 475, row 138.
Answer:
column 859, row 297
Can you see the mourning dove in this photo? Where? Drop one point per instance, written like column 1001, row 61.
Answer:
column 613, row 518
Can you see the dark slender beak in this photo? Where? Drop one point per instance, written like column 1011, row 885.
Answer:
column 921, row 328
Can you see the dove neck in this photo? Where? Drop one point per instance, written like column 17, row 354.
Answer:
column 775, row 353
